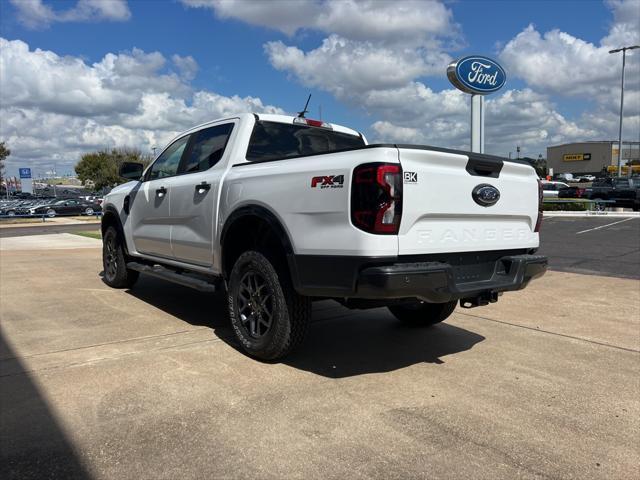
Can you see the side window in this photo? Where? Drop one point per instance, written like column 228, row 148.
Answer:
column 167, row 164
column 206, row 148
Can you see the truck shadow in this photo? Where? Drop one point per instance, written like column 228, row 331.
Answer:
column 344, row 343
column 340, row 342
column 33, row 444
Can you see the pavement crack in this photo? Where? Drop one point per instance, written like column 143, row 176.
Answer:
column 594, row 342
column 107, row 358
column 115, row 342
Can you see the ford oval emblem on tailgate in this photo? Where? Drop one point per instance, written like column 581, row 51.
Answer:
column 485, row 195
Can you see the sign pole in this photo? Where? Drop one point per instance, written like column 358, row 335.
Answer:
column 477, row 123
column 478, row 76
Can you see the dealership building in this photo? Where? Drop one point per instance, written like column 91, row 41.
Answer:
column 589, row 157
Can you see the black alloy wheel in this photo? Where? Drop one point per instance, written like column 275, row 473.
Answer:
column 268, row 316
column 255, row 304
column 116, row 273
column 110, row 258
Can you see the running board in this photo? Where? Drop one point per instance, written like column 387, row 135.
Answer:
column 172, row 276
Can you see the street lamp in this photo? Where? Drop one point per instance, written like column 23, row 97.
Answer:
column 624, row 56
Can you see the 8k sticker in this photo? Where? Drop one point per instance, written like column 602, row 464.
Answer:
column 410, row 177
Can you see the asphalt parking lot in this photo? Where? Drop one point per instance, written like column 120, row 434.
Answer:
column 148, row 383
column 594, row 245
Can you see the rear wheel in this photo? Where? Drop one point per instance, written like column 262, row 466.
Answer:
column 268, row 316
column 114, row 263
column 88, row 211
column 422, row 313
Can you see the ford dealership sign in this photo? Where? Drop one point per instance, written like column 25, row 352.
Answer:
column 476, row 74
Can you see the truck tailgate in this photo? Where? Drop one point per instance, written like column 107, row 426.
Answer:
column 439, row 213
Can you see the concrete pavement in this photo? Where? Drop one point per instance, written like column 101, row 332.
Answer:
column 147, row 383
column 56, row 241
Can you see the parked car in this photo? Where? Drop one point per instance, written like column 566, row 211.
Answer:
column 570, row 192
column 282, row 210
column 564, row 177
column 550, row 189
column 586, row 178
column 67, row 207
column 625, row 192
column 27, row 208
column 9, row 208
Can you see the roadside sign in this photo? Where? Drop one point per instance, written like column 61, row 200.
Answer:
column 25, row 180
column 576, row 157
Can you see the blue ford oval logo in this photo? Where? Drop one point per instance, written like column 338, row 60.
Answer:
column 476, row 74
column 485, row 195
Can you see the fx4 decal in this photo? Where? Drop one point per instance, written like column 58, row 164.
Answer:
column 410, row 177
column 328, row 181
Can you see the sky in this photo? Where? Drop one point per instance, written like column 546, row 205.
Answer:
column 82, row 75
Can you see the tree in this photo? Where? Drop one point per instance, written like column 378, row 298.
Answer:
column 4, row 153
column 539, row 164
column 101, row 168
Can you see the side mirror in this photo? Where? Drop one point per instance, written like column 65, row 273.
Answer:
column 131, row 170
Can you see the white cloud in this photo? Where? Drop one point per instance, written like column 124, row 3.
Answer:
column 383, row 79
column 405, row 21
column 187, row 66
column 564, row 65
column 55, row 108
column 517, row 117
column 560, row 63
column 624, row 29
column 344, row 66
column 37, row 14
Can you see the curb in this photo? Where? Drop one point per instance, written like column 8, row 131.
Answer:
column 47, row 224
column 591, row 214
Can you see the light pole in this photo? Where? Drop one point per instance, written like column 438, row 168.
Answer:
column 624, row 57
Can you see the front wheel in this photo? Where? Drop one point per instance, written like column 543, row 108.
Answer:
column 423, row 314
column 116, row 273
column 51, row 213
column 268, row 316
column 88, row 211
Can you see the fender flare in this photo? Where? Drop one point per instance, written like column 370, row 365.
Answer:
column 108, row 213
column 264, row 214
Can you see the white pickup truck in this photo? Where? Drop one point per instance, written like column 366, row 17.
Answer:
column 278, row 211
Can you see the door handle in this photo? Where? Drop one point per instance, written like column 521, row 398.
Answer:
column 161, row 192
column 203, row 187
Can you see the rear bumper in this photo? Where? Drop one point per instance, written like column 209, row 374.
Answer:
column 434, row 278
column 440, row 282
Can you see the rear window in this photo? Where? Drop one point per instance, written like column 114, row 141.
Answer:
column 273, row 140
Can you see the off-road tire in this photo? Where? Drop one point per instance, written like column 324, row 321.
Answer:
column 422, row 314
column 114, row 262
column 290, row 312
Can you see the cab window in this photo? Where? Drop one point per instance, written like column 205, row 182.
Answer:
column 167, row 164
column 206, row 148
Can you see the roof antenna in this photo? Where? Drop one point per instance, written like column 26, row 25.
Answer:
column 301, row 114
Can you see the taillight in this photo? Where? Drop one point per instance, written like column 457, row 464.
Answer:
column 540, row 195
column 376, row 198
